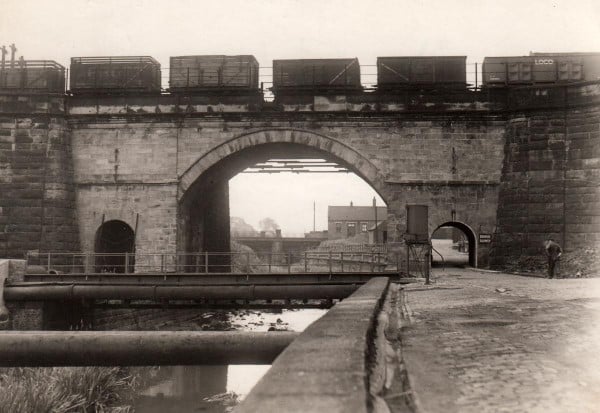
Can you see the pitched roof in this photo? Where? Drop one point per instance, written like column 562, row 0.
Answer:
column 355, row 213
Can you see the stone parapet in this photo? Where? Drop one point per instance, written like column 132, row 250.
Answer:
column 326, row 369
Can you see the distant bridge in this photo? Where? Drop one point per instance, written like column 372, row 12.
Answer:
column 265, row 247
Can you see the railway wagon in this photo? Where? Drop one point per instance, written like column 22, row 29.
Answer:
column 589, row 61
column 316, row 74
column 213, row 73
column 540, row 68
column 45, row 76
column 402, row 72
column 115, row 74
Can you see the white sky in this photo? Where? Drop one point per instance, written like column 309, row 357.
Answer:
column 273, row 29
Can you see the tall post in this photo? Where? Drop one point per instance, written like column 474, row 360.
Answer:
column 375, row 235
column 4, row 52
column 13, row 50
column 427, row 262
column 87, row 263
column 407, row 259
column 314, row 214
column 305, row 262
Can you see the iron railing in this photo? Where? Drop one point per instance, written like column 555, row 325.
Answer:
column 207, row 262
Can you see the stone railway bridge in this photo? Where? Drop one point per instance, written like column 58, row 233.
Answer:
column 520, row 165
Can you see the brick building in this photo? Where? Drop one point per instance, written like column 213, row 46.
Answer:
column 349, row 221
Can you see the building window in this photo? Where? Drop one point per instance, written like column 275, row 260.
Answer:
column 351, row 229
column 363, row 227
column 338, row 227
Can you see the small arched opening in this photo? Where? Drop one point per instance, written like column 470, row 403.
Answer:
column 456, row 243
column 114, row 247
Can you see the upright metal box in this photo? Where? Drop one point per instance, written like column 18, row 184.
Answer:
column 115, row 74
column 417, row 222
column 214, row 72
column 34, row 76
column 316, row 74
column 400, row 72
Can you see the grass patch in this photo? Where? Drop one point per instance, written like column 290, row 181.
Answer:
column 67, row 389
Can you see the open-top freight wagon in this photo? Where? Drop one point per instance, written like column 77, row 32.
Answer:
column 114, row 75
column 540, row 68
column 43, row 76
column 214, row 73
column 322, row 75
column 411, row 72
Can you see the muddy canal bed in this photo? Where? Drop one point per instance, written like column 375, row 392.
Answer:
column 215, row 389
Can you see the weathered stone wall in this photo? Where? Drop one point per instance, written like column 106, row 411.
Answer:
column 37, row 195
column 551, row 185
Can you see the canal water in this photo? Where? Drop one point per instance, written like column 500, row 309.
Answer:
column 216, row 389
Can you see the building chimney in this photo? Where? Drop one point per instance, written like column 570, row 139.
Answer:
column 278, row 233
column 351, row 203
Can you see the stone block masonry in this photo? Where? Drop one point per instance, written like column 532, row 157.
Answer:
column 326, row 369
column 65, row 171
column 37, row 196
column 550, row 187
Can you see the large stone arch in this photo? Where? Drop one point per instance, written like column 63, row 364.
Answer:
column 203, row 202
column 342, row 153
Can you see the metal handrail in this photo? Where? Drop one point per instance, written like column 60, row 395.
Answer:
column 205, row 262
column 441, row 256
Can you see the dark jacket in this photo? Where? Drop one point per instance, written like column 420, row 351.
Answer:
column 553, row 250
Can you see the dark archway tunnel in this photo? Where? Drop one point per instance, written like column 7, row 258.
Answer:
column 113, row 240
column 470, row 245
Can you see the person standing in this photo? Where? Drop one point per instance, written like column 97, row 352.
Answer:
column 553, row 252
